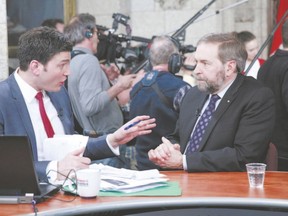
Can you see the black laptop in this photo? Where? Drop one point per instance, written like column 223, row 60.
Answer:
column 18, row 178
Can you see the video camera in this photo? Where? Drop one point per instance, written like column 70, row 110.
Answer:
column 183, row 50
column 187, row 49
column 117, row 47
column 119, row 18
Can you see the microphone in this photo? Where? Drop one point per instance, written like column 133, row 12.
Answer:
column 60, row 113
column 197, row 113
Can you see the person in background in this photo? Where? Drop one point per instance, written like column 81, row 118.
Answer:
column 57, row 24
column 44, row 56
column 93, row 98
column 226, row 121
column 251, row 45
column 187, row 74
column 274, row 74
column 158, row 94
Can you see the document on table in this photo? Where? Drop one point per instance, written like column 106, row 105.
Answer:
column 127, row 173
column 124, row 180
column 59, row 146
column 129, row 181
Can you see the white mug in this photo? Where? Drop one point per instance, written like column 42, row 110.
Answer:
column 88, row 183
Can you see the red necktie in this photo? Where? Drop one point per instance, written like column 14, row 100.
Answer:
column 46, row 122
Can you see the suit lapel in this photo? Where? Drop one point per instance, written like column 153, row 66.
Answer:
column 23, row 113
column 225, row 103
column 55, row 101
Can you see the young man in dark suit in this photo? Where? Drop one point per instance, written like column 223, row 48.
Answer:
column 236, row 128
column 44, row 56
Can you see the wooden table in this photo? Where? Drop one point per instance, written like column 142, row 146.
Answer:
column 194, row 185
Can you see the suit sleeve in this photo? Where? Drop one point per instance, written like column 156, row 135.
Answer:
column 92, row 87
column 40, row 167
column 285, row 91
column 97, row 148
column 174, row 137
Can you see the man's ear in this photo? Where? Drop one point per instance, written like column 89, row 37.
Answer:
column 35, row 67
column 230, row 68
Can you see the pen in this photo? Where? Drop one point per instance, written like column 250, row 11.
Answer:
column 131, row 125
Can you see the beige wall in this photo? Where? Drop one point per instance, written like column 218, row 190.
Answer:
column 154, row 17
column 3, row 41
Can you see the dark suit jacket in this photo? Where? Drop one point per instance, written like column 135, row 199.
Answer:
column 274, row 74
column 15, row 120
column 239, row 131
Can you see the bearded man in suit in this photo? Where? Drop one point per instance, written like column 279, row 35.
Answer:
column 239, row 127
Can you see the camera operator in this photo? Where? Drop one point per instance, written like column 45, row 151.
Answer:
column 92, row 97
column 158, row 94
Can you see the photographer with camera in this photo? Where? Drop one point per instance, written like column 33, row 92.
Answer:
column 92, row 97
column 158, row 94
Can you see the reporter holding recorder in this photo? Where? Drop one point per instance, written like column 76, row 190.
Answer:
column 44, row 57
column 93, row 98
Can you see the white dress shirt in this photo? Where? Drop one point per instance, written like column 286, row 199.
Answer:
column 32, row 104
column 253, row 71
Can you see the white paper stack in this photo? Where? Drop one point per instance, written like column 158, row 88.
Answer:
column 59, row 146
column 129, row 181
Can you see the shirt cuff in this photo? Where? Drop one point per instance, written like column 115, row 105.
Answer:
column 184, row 162
column 52, row 171
column 83, row 140
column 116, row 150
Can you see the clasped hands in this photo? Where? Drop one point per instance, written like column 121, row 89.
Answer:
column 167, row 155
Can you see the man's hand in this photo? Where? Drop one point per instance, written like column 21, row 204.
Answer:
column 128, row 132
column 123, row 83
column 126, row 81
column 112, row 71
column 72, row 161
column 124, row 96
column 167, row 155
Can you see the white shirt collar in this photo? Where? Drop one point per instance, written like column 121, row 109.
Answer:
column 28, row 91
column 223, row 91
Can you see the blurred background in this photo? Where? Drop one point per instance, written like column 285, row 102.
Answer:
column 135, row 22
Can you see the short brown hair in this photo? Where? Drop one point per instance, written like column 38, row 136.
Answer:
column 229, row 48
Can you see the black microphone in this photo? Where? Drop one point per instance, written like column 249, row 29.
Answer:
column 60, row 113
column 197, row 113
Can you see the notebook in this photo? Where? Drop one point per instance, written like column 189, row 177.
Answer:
column 18, row 178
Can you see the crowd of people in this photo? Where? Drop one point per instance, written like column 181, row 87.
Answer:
column 222, row 123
